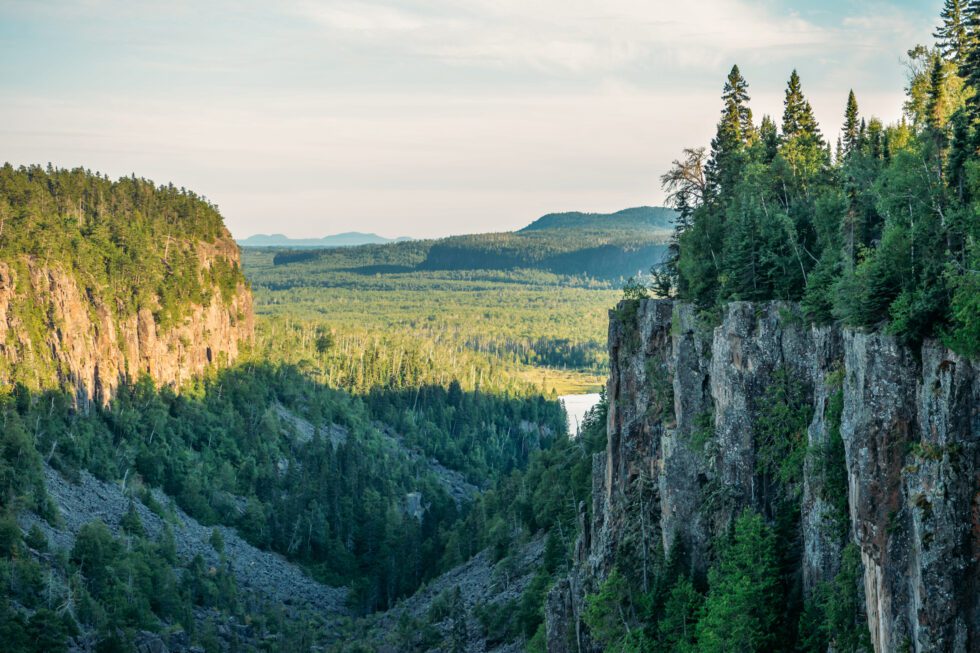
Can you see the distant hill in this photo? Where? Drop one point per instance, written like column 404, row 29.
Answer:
column 347, row 239
column 653, row 217
column 611, row 246
column 607, row 247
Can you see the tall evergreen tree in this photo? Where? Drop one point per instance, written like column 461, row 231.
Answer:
column 852, row 126
column 952, row 36
column 934, row 106
column 736, row 90
column 798, row 118
column 969, row 65
column 742, row 608
column 728, row 145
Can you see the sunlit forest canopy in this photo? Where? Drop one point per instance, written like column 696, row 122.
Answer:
column 877, row 229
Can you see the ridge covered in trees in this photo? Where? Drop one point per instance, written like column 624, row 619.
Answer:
column 881, row 229
column 607, row 248
column 129, row 243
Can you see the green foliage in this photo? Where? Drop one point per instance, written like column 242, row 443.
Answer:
column 217, row 541
column 608, row 614
column 128, row 245
column 607, row 248
column 743, row 604
column 36, row 539
column 834, row 617
column 131, row 522
column 884, row 234
column 10, row 536
column 305, row 459
column 109, row 589
column 633, row 290
column 397, row 328
column 784, row 412
column 682, row 611
column 831, row 465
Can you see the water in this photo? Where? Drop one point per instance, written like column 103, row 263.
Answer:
column 576, row 406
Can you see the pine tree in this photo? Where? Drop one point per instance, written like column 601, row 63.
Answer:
column 728, row 145
column 736, row 91
column 934, row 106
column 852, row 126
column 798, row 118
column 952, row 36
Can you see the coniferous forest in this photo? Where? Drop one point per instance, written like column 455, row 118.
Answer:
column 879, row 227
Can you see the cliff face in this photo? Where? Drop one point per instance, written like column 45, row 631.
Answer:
column 55, row 331
column 890, row 460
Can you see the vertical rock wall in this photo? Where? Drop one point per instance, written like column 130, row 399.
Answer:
column 54, row 330
column 911, row 426
column 682, row 460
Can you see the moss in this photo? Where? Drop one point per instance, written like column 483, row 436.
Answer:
column 626, row 314
column 783, row 413
column 662, row 389
column 703, row 431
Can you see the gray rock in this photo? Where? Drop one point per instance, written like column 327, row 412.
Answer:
column 684, row 401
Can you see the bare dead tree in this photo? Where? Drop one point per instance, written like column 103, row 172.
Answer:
column 685, row 182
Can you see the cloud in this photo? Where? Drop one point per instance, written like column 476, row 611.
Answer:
column 415, row 112
column 564, row 36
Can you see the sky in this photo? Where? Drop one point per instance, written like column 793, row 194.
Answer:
column 422, row 117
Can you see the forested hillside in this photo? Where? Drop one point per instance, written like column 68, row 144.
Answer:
column 609, row 248
column 785, row 457
column 491, row 329
column 358, row 460
column 496, row 311
column 103, row 280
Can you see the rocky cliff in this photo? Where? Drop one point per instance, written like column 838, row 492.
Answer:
column 886, row 457
column 57, row 328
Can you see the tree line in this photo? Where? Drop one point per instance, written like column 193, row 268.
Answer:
column 879, row 230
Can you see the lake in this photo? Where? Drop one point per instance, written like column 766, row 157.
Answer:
column 576, row 406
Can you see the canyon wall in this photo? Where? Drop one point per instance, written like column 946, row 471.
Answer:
column 889, row 462
column 56, row 331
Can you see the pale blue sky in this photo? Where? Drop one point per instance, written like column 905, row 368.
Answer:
column 421, row 117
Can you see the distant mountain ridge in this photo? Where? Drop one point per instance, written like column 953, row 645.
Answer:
column 655, row 217
column 608, row 247
column 346, row 239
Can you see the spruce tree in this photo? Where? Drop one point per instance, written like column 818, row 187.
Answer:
column 798, row 118
column 736, row 91
column 952, row 35
column 741, row 611
column 728, row 145
column 934, row 105
column 969, row 65
column 769, row 137
column 852, row 126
